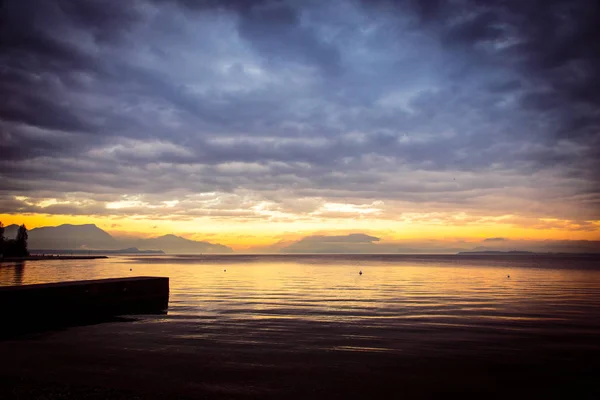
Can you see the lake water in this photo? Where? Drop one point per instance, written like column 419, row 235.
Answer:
column 472, row 297
column 540, row 310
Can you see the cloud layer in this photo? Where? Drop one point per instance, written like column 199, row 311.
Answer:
column 283, row 110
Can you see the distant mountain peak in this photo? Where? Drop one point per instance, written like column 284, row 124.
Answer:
column 169, row 236
column 91, row 237
column 79, row 226
column 171, row 243
column 71, row 237
column 10, row 231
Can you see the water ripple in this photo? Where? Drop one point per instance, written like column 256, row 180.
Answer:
column 399, row 304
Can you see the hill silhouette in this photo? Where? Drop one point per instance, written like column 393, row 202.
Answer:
column 71, row 237
column 177, row 244
column 90, row 237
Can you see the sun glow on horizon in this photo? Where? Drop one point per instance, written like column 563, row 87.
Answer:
column 244, row 235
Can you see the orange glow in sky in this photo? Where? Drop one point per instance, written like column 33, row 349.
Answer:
column 241, row 235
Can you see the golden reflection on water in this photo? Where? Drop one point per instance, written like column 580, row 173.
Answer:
column 322, row 290
column 399, row 304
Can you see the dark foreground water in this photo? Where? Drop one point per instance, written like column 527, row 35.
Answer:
column 311, row 326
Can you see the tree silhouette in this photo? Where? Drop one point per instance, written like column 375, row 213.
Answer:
column 21, row 241
column 14, row 247
column 1, row 238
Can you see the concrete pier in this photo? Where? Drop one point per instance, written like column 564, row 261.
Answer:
column 32, row 307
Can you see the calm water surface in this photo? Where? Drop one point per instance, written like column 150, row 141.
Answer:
column 400, row 303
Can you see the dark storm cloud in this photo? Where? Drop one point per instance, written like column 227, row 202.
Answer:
column 554, row 43
column 274, row 28
column 397, row 100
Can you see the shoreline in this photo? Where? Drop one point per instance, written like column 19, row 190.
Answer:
column 154, row 359
column 50, row 257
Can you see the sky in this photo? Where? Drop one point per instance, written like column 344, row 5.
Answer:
column 251, row 123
